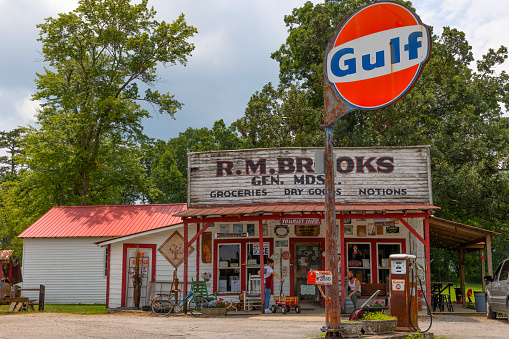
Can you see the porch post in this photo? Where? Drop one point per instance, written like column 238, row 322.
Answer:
column 462, row 273
column 343, row 261
column 483, row 273
column 198, row 252
column 262, row 265
column 489, row 257
column 185, row 257
column 428, row 258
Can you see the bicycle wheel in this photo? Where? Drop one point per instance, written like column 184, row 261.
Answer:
column 194, row 306
column 162, row 305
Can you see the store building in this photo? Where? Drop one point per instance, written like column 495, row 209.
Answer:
column 239, row 200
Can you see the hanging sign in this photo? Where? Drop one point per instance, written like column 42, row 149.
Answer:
column 301, row 221
column 377, row 55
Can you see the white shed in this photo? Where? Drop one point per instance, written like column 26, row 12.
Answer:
column 59, row 250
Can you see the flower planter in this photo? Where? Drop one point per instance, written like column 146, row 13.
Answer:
column 379, row 326
column 352, row 330
column 214, row 311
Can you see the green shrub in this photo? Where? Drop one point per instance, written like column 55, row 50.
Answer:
column 377, row 316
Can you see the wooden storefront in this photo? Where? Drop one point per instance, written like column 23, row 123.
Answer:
column 246, row 200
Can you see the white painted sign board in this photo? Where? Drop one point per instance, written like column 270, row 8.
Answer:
column 363, row 175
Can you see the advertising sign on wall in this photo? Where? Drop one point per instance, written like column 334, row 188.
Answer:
column 363, row 175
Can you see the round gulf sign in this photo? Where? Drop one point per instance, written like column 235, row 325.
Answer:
column 377, row 55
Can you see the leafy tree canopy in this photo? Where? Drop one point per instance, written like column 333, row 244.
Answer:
column 86, row 147
column 166, row 162
column 457, row 107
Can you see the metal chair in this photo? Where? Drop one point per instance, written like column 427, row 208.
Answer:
column 253, row 295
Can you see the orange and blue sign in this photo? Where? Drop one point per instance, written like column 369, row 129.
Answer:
column 378, row 55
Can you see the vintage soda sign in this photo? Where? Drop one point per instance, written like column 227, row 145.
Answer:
column 378, row 55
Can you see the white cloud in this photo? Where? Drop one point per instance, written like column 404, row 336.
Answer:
column 26, row 108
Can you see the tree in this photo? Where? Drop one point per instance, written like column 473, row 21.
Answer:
column 86, row 148
column 281, row 117
column 9, row 141
column 456, row 108
column 166, row 162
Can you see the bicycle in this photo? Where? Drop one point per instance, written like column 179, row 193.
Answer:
column 163, row 304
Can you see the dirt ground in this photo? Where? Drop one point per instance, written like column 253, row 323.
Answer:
column 144, row 325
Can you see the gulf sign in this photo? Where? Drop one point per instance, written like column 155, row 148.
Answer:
column 378, row 54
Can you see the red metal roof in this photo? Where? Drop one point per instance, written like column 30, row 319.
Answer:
column 103, row 221
column 297, row 208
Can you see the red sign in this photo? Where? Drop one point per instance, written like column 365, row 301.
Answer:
column 319, row 278
column 378, row 55
column 285, row 255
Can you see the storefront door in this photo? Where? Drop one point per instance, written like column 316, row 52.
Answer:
column 307, row 256
column 144, row 271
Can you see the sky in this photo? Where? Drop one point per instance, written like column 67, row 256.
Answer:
column 231, row 60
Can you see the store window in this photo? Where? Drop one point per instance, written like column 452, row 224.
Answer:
column 359, row 261
column 229, row 268
column 253, row 258
column 383, row 253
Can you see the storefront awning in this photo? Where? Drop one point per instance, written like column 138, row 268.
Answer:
column 298, row 208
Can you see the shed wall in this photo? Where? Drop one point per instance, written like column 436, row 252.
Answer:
column 72, row 269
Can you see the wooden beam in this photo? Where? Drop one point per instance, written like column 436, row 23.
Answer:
column 262, row 265
column 462, row 274
column 483, row 273
column 489, row 257
column 411, row 229
column 428, row 258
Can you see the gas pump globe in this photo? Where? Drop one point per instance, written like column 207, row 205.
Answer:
column 403, row 298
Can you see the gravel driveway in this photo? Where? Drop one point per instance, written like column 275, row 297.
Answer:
column 125, row 326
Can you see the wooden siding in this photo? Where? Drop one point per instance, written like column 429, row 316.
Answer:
column 164, row 271
column 72, row 269
column 397, row 175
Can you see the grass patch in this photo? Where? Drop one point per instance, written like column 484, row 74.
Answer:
column 76, row 309
column 476, row 287
column 72, row 309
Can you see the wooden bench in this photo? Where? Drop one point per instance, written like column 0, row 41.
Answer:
column 367, row 290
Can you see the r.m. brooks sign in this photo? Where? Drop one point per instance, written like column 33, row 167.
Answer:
column 368, row 175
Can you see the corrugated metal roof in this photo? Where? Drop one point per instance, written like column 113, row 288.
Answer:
column 103, row 221
column 454, row 235
column 297, row 208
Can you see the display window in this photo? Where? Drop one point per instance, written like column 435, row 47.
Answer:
column 369, row 259
column 235, row 260
column 359, row 260
column 383, row 253
column 229, row 268
column 253, row 259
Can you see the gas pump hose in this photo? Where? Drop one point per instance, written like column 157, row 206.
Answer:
column 425, row 299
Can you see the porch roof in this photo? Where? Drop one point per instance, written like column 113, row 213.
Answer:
column 258, row 209
column 453, row 235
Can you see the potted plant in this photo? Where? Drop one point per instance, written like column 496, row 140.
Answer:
column 214, row 307
column 352, row 329
column 378, row 323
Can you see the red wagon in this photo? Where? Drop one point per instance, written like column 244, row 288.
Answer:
column 285, row 303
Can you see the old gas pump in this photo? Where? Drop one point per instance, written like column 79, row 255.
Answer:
column 403, row 292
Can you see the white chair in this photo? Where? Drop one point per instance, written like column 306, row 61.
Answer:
column 253, row 295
